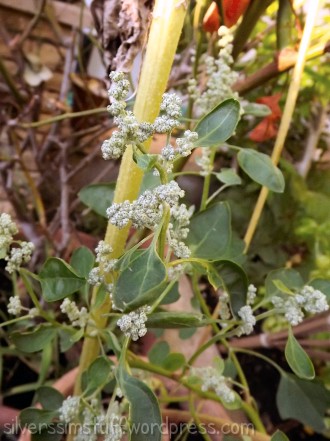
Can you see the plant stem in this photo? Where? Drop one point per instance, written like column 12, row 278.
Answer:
column 207, row 181
column 287, row 116
column 63, row 116
column 162, row 44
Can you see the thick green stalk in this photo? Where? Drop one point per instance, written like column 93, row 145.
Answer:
column 168, row 17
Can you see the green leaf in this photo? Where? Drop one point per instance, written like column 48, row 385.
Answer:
column 49, row 398
column 82, row 261
column 228, row 176
column 261, row 169
column 290, row 278
column 281, row 287
column 53, row 432
column 37, row 417
column 137, row 283
column 58, row 280
column 97, row 375
column 35, row 340
column 279, row 436
column 98, row 197
column 256, row 109
column 144, row 414
column 232, row 279
column 145, row 161
column 159, row 352
column 172, row 296
column 302, row 400
column 219, row 124
column 210, row 232
column 173, row 361
column 297, row 358
column 175, row 320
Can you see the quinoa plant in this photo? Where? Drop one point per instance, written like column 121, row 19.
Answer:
column 117, row 295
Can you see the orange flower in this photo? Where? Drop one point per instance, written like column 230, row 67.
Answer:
column 232, row 10
column 267, row 128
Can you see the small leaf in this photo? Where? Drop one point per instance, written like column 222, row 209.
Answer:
column 302, row 400
column 145, row 161
column 290, row 278
column 281, row 287
column 137, row 283
column 159, row 352
column 256, row 109
column 97, row 375
column 35, row 340
column 98, row 197
column 261, row 169
column 175, row 320
column 219, row 124
column 172, row 296
column 82, row 261
column 228, row 176
column 58, row 280
column 143, row 408
column 279, row 436
column 36, row 417
column 49, row 398
column 173, row 362
column 297, row 358
column 210, row 232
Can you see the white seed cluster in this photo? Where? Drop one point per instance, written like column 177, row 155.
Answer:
column 213, row 380
column 147, row 210
column 249, row 320
column 178, row 229
column 251, row 294
column 18, row 256
column 78, row 317
column 69, row 410
column 183, row 148
column 14, row 306
column 308, row 299
column 130, row 131
column 204, row 162
column 220, row 75
column 133, row 324
column 8, row 229
column 224, row 310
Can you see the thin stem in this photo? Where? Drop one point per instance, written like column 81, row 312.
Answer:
column 207, row 181
column 261, row 356
column 287, row 116
column 62, row 117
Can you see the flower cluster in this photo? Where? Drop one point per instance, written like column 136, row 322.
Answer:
column 103, row 251
column 308, row 299
column 204, row 162
column 8, row 229
column 78, row 317
column 16, row 256
column 220, row 75
column 96, row 422
column 178, row 229
column 130, row 131
column 147, row 210
column 69, row 410
column 15, row 307
column 213, row 380
column 133, row 324
column 248, row 319
column 251, row 294
column 184, row 147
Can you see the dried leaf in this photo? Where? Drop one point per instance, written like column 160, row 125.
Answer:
column 122, row 27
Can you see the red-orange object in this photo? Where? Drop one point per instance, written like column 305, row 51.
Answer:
column 267, row 128
column 232, row 10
